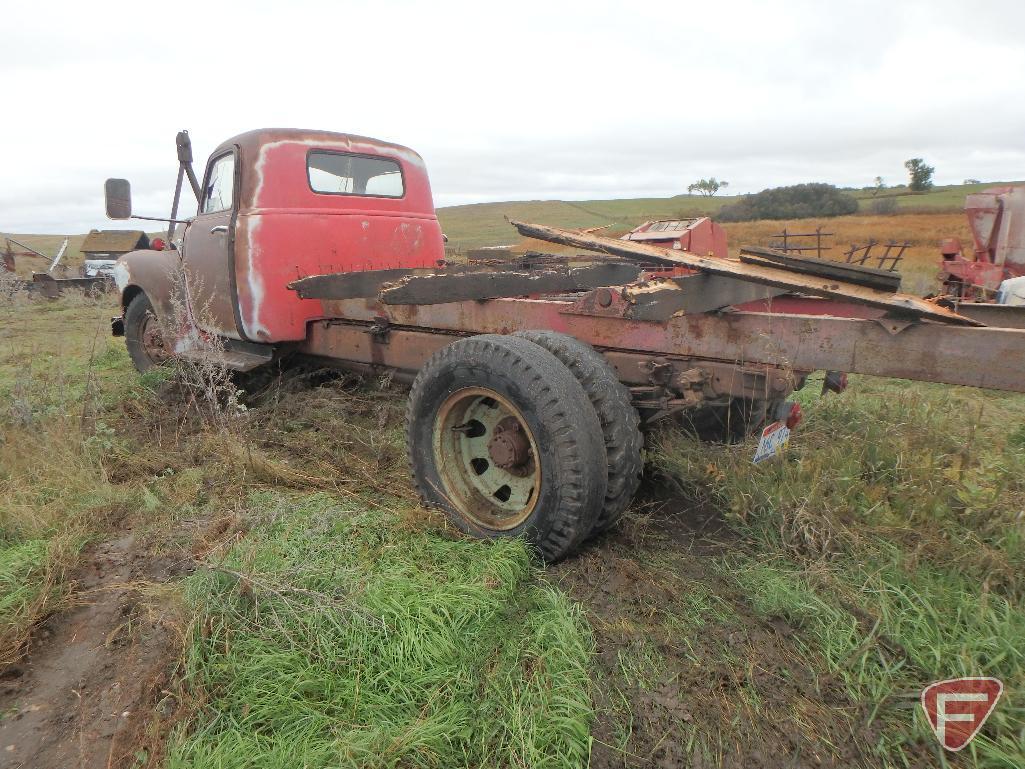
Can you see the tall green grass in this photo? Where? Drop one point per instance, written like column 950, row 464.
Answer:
column 891, row 536
column 60, row 378
column 23, row 586
column 333, row 635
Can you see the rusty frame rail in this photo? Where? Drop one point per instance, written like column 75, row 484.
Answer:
column 923, row 351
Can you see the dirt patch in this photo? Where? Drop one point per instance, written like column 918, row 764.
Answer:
column 687, row 674
column 95, row 674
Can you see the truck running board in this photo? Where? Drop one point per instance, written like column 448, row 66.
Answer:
column 234, row 355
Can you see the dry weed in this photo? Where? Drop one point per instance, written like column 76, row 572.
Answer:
column 12, row 288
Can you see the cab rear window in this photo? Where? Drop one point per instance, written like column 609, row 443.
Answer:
column 339, row 173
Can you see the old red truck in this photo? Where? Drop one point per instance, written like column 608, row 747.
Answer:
column 531, row 382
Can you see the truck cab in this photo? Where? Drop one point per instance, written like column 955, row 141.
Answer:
column 278, row 205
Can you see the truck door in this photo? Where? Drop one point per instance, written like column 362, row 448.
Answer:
column 209, row 249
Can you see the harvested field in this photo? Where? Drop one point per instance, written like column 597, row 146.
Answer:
column 922, row 231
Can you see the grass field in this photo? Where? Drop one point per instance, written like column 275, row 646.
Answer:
column 777, row 615
column 892, row 537
column 343, row 603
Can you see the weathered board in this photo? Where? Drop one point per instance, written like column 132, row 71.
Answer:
column 362, row 284
column 902, row 304
column 884, row 280
column 996, row 315
column 692, row 294
column 443, row 287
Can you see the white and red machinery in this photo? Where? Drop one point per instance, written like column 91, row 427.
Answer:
column 699, row 235
column 997, row 221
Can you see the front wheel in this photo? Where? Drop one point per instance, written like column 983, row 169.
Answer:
column 502, row 436
column 144, row 336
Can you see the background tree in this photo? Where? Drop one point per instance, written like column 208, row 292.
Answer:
column 879, row 186
column 921, row 175
column 707, row 187
column 799, row 201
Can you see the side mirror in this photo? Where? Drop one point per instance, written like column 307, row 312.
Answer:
column 118, row 195
column 184, row 145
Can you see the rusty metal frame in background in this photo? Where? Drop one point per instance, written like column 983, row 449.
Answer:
column 784, row 244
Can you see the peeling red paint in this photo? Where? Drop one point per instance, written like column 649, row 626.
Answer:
column 285, row 228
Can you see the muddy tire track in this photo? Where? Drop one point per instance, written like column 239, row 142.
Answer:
column 727, row 691
column 95, row 675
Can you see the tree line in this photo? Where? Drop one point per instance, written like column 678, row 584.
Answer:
column 799, row 201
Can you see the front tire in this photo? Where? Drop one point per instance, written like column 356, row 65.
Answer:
column 502, row 436
column 144, row 336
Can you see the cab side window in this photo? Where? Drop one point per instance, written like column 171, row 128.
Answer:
column 220, row 185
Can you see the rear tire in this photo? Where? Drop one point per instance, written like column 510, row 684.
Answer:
column 498, row 411
column 620, row 422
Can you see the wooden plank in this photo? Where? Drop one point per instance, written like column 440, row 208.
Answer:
column 362, row 284
column 692, row 294
column 903, row 304
column 441, row 288
column 884, row 280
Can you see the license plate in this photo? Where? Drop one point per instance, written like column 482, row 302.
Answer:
column 773, row 442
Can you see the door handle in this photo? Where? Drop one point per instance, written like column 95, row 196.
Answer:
column 219, row 228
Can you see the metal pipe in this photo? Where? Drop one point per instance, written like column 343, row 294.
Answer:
column 174, row 203
column 60, row 253
column 37, row 253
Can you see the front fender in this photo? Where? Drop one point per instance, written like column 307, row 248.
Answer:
column 155, row 273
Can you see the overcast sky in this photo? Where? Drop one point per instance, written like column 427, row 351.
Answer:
column 520, row 100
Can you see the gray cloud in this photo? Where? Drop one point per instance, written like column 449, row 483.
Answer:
column 538, row 100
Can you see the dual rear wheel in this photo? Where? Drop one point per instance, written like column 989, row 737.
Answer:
column 527, row 435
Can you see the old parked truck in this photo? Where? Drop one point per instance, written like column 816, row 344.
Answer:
column 531, row 383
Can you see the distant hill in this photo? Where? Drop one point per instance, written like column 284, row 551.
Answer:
column 483, row 224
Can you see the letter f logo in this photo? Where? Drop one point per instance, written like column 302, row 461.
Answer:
column 958, row 707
